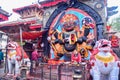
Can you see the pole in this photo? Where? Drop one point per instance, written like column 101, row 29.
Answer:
column 59, row 71
column 23, row 67
column 6, row 62
column 21, row 45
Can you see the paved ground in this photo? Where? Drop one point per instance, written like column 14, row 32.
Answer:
column 43, row 73
column 2, row 70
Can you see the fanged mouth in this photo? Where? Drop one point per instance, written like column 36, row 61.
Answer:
column 105, row 45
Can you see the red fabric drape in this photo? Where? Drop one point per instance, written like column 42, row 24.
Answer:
column 32, row 35
column 35, row 26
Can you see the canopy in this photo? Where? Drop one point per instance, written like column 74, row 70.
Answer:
column 32, row 35
column 28, row 35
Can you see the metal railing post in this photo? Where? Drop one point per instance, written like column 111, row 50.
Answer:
column 41, row 71
column 59, row 72
column 50, row 72
column 6, row 62
column 84, row 70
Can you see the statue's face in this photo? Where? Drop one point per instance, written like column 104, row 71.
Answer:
column 104, row 45
column 69, row 22
column 69, row 26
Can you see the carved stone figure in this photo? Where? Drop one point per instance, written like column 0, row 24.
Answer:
column 14, row 57
column 105, row 63
column 71, row 37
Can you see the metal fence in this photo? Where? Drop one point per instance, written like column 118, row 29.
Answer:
column 62, row 71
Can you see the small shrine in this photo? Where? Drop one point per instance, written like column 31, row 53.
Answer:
column 28, row 27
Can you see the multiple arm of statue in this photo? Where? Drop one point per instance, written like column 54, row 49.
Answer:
column 69, row 39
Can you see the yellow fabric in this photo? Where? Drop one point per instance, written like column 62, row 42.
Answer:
column 11, row 53
column 105, row 59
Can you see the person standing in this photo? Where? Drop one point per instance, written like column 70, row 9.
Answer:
column 40, row 57
column 35, row 58
column 75, row 57
column 35, row 55
column 1, row 56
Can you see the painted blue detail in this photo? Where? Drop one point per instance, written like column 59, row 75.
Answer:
column 88, row 58
column 62, row 58
column 59, row 28
column 59, row 25
column 91, row 30
column 52, row 54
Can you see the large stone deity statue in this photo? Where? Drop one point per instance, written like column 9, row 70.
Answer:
column 71, row 36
